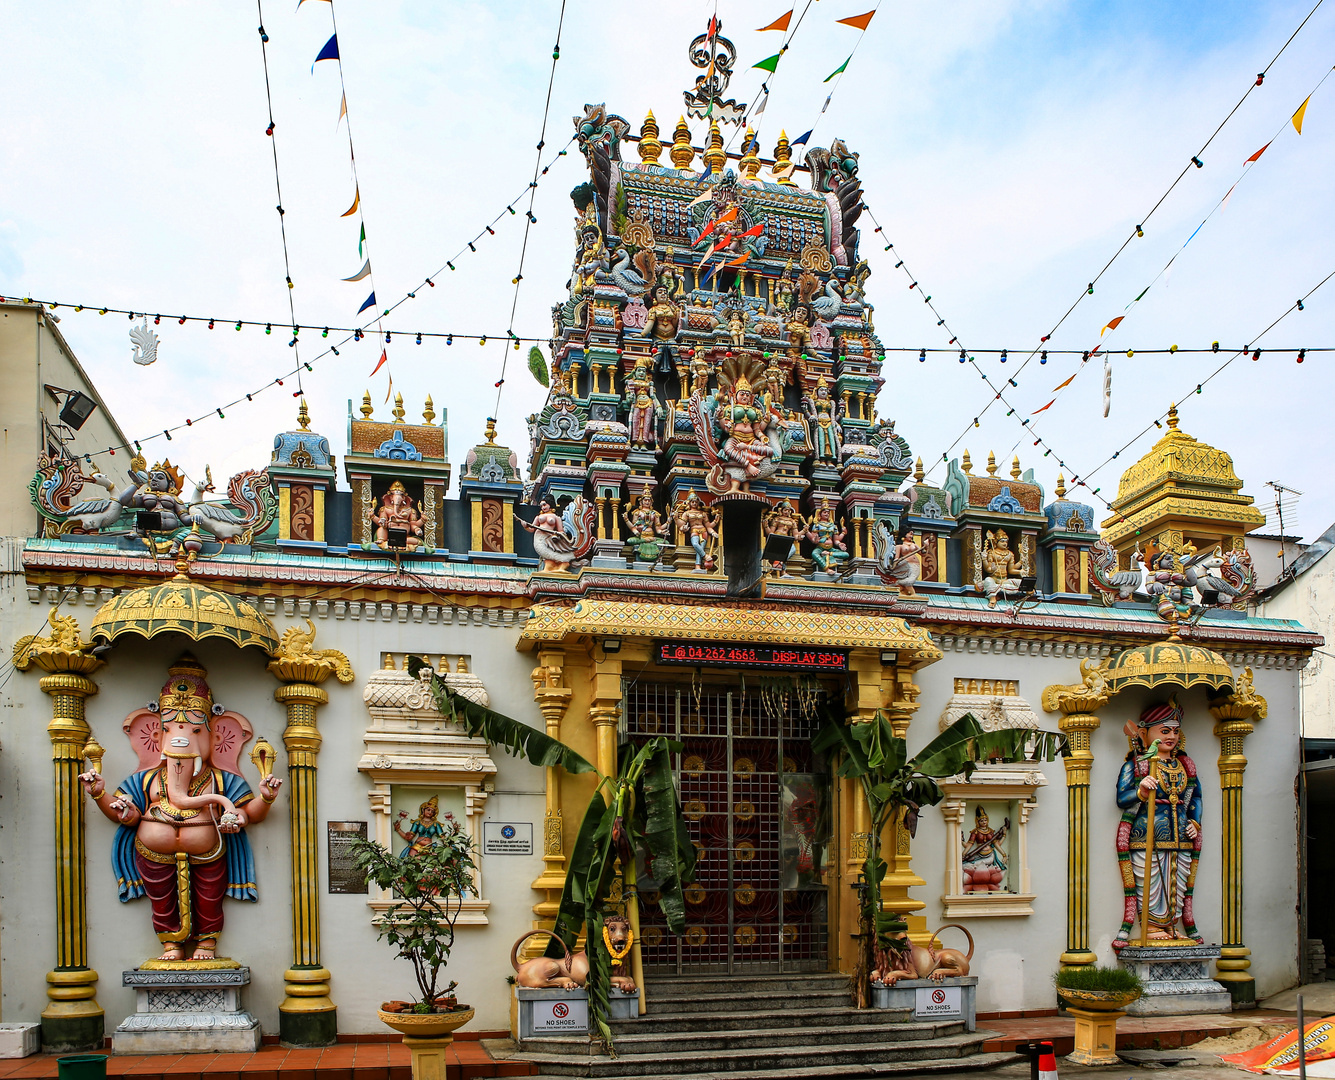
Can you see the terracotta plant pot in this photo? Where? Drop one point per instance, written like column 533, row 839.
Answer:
column 1098, row 1000
column 427, row 1025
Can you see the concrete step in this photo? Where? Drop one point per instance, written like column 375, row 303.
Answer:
column 655, row 1021
column 727, row 1000
column 641, row 1043
column 858, row 1058
column 751, row 985
column 779, row 1071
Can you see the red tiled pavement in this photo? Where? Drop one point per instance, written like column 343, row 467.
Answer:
column 1133, row 1032
column 370, row 1060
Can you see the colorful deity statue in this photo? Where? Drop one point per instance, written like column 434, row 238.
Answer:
column 425, row 829
column 783, row 521
column 799, row 331
column 785, row 289
column 1158, row 773
column 696, row 524
column 825, row 532
column 700, row 372
column 776, row 378
column 397, row 512
column 826, row 435
column 592, row 257
column 644, row 405
column 181, row 815
column 898, row 560
column 1002, row 571
column 664, row 316
column 646, row 526
column 561, row 539
column 742, row 438
column 984, row 858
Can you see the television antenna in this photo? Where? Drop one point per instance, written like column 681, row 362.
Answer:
column 1281, row 492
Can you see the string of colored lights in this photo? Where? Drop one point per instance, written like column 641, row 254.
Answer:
column 278, row 184
column 1197, row 161
column 529, row 219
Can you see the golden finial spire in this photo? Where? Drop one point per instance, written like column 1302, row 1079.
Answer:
column 367, row 407
column 1060, row 490
column 1172, row 416
column 429, row 412
column 783, row 154
column 303, row 415
column 650, row 147
column 682, row 153
column 967, row 464
column 715, row 156
column 991, row 463
column 1015, row 467
column 918, row 475
column 750, row 163
column 398, row 408
column 491, row 429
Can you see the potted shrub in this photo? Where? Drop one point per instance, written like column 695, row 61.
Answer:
column 1095, row 998
column 428, row 883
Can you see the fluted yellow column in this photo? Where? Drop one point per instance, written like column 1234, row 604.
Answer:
column 553, row 698
column 1079, row 706
column 307, row 1015
column 72, row 1019
column 1233, row 723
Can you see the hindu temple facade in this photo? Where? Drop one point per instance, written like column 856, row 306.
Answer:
column 710, row 530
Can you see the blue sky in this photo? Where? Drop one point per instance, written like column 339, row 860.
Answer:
column 1007, row 146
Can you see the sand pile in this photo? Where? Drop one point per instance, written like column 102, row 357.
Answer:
column 1244, row 1038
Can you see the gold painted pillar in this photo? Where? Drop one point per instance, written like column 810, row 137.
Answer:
column 605, row 711
column 897, row 844
column 1078, row 705
column 1233, row 723
column 553, row 698
column 72, row 1019
column 307, row 1015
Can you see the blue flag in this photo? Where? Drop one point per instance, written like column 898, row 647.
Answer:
column 370, row 302
column 801, row 140
column 329, row 52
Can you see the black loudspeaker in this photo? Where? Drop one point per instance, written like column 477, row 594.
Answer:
column 148, row 521
column 78, row 408
column 398, row 538
column 777, row 549
column 1027, row 585
column 664, row 365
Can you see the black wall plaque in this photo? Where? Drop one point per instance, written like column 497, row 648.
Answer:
column 724, row 654
column 345, row 876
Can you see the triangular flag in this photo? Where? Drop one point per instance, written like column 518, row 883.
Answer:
column 1193, row 235
column 713, row 25
column 827, row 102
column 761, row 107
column 370, row 302
column 838, row 70
column 704, row 196
column 1142, row 293
column 1224, row 205
column 1112, row 325
column 384, row 355
column 390, row 388
column 1263, row 149
column 783, row 171
column 1059, row 386
column 858, row 22
column 361, row 243
column 356, row 202
column 329, row 52
column 1049, row 404
column 769, row 63
column 801, row 140
column 343, row 109
column 1298, row 116
column 781, row 23
column 363, row 272
column 737, row 261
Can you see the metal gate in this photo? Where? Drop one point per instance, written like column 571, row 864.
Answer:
column 757, row 802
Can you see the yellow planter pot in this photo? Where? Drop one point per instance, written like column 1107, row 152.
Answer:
column 427, row 1025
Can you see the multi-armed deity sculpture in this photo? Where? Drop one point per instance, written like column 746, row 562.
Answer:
column 182, row 814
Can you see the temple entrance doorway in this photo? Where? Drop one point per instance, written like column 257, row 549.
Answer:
column 758, row 802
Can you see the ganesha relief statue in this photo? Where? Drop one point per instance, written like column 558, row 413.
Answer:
column 181, row 815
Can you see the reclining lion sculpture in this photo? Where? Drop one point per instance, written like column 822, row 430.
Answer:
column 571, row 972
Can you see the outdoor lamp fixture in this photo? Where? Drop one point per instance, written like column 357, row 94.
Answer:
column 611, row 645
column 889, row 656
column 398, row 538
column 78, row 406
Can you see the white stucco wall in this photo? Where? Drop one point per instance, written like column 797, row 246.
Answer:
column 1310, row 599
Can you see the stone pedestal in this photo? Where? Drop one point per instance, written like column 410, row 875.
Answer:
column 428, row 1056
column 1095, row 1036
column 928, row 999
column 20, row 1040
column 1177, row 980
column 187, row 1012
column 552, row 1012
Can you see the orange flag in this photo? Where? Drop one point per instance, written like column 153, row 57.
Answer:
column 1050, row 403
column 1258, row 153
column 781, row 23
column 858, row 22
column 384, row 355
column 737, row 261
column 356, row 202
column 1112, row 325
column 1060, row 385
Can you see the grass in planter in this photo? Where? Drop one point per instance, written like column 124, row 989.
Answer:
column 1117, row 980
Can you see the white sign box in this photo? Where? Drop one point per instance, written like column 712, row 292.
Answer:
column 939, row 1001
column 553, row 1016
column 507, row 838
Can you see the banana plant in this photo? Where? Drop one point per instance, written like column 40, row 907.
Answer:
column 897, row 786
column 635, row 812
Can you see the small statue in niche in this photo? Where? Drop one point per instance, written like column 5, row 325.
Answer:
column 825, row 532
column 664, row 316
column 799, row 331
column 646, row 526
column 827, row 437
column 1158, row 773
column 700, row 372
column 425, row 829
column 736, row 320
column 592, row 257
column 397, row 512
column 984, row 858
column 697, row 525
column 644, row 405
column 898, row 561
column 782, row 521
column 1002, row 571
column 562, row 539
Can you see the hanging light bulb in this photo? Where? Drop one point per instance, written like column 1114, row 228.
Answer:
column 922, row 356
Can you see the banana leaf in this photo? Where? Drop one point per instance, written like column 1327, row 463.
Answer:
column 518, row 739
column 537, row 365
column 572, row 908
column 952, row 752
column 671, row 853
